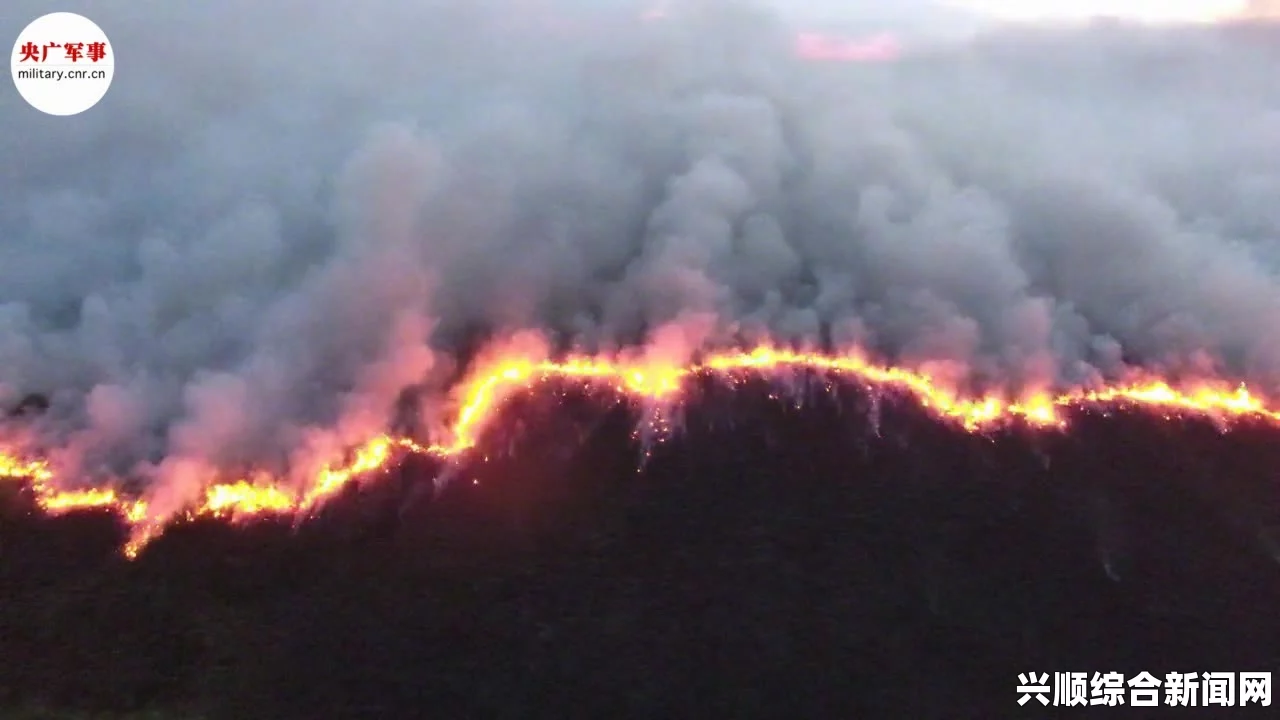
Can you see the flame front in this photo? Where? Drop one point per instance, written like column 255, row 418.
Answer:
column 480, row 398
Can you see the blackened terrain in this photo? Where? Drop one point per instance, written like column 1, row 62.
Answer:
column 847, row 558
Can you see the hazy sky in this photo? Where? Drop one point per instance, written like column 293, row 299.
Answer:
column 1149, row 10
column 961, row 14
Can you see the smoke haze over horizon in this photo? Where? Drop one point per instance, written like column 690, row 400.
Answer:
column 280, row 217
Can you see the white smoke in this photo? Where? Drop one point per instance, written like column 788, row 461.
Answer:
column 282, row 215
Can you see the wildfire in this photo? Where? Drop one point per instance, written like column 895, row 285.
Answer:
column 481, row 396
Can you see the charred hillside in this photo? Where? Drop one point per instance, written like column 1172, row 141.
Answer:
column 838, row 557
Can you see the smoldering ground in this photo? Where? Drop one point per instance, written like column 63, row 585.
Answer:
column 280, row 217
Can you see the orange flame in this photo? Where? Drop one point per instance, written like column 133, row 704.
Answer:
column 481, row 396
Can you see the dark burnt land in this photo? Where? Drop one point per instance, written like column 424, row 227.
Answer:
column 841, row 559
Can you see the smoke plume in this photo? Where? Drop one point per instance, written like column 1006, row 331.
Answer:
column 284, row 215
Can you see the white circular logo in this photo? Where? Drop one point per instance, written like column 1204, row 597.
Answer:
column 62, row 64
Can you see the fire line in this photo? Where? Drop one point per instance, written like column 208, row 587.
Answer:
column 481, row 397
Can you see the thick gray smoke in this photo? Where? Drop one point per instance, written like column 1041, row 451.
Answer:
column 284, row 214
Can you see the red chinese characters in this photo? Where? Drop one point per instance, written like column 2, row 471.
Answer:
column 72, row 51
